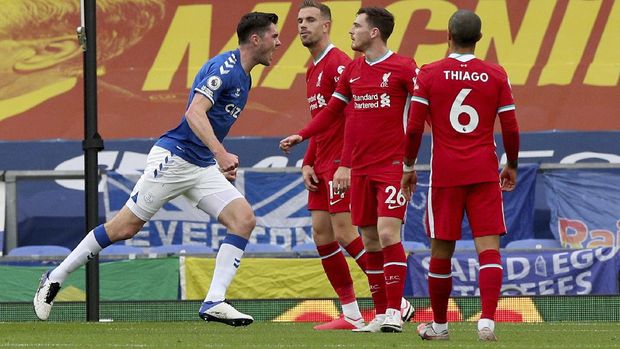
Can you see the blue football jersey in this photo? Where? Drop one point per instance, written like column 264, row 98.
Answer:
column 223, row 81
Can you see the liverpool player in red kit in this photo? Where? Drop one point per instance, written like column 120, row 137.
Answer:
column 331, row 219
column 378, row 86
column 460, row 97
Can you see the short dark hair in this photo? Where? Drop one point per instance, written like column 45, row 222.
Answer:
column 254, row 23
column 380, row 18
column 325, row 11
column 464, row 27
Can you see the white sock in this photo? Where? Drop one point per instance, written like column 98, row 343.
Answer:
column 88, row 247
column 351, row 310
column 439, row 327
column 226, row 264
column 482, row 323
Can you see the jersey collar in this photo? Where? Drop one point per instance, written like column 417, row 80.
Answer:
column 462, row 57
column 324, row 53
column 380, row 59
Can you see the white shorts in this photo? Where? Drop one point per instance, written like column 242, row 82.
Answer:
column 167, row 176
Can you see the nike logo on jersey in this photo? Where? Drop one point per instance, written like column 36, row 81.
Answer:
column 391, row 207
column 354, row 79
column 333, row 202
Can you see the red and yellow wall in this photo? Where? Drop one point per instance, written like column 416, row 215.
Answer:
column 561, row 56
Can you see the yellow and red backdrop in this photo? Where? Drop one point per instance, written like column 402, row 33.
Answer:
column 561, row 56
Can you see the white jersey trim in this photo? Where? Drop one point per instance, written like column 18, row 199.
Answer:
column 506, row 108
column 406, row 112
column 462, row 57
column 340, row 97
column 324, row 53
column 419, row 100
column 381, row 59
column 206, row 94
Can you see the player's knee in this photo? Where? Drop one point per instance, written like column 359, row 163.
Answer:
column 322, row 237
column 388, row 238
column 243, row 223
column 319, row 231
column 345, row 234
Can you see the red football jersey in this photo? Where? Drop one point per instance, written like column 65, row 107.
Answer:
column 321, row 79
column 379, row 93
column 464, row 95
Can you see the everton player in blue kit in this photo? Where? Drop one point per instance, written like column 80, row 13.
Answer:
column 190, row 160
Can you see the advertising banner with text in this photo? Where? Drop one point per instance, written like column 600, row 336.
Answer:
column 585, row 207
column 561, row 57
column 529, row 273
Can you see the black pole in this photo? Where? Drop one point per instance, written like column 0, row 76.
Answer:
column 92, row 144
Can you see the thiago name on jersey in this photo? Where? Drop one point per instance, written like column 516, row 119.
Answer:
column 465, row 75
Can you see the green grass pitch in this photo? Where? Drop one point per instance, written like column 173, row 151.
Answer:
column 172, row 335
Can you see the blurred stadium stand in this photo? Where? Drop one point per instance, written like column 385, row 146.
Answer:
column 39, row 251
column 181, row 249
column 534, row 244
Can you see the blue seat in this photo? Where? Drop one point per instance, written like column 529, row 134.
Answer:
column 409, row 246
column 305, row 247
column 534, row 244
column 263, row 248
column 40, row 250
column 178, row 249
column 465, row 245
column 121, row 249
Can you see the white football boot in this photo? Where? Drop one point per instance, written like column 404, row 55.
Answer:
column 44, row 297
column 373, row 326
column 223, row 312
column 393, row 321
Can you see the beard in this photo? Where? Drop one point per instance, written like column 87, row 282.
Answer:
column 308, row 42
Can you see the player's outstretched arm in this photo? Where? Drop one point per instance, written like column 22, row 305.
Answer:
column 289, row 142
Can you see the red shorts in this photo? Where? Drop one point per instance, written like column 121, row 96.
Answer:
column 376, row 195
column 326, row 198
column 481, row 201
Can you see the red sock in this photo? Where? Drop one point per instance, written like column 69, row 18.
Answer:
column 337, row 271
column 490, row 283
column 356, row 250
column 395, row 272
column 440, row 287
column 376, row 280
